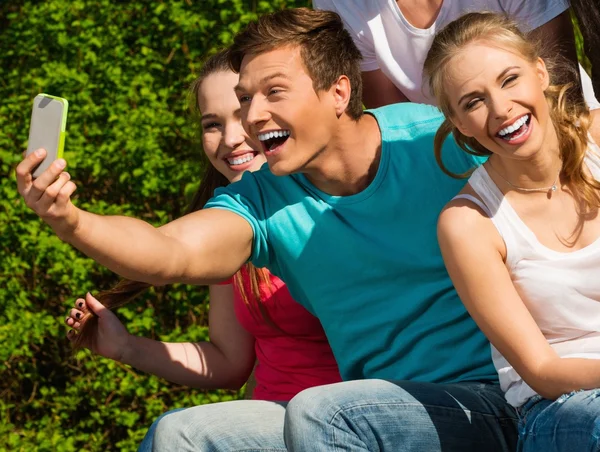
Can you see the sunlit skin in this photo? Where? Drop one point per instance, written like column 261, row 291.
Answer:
column 224, row 139
column 490, row 88
column 276, row 94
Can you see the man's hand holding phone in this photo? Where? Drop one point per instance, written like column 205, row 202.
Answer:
column 49, row 195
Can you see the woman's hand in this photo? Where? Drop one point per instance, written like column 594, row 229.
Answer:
column 110, row 340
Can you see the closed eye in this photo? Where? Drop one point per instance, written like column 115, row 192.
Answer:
column 509, row 80
column 472, row 103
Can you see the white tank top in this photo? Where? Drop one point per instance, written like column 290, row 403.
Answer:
column 561, row 290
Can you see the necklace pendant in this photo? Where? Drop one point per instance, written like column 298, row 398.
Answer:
column 553, row 188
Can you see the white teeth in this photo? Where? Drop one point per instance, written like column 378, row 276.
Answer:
column 240, row 160
column 514, row 126
column 273, row 134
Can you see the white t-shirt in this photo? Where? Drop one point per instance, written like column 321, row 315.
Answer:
column 389, row 42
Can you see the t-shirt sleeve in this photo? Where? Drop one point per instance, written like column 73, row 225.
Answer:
column 358, row 28
column 532, row 14
column 243, row 198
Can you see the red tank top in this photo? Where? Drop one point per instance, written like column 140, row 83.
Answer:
column 292, row 356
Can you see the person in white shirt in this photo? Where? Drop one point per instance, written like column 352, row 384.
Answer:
column 395, row 35
column 521, row 241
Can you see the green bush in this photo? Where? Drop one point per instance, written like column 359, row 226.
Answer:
column 124, row 67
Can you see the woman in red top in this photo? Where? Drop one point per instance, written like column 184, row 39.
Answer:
column 252, row 318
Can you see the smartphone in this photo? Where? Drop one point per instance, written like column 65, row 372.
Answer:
column 47, row 129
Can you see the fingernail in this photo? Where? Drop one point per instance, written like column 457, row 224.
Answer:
column 67, row 319
column 40, row 152
column 61, row 163
column 78, row 315
column 80, row 304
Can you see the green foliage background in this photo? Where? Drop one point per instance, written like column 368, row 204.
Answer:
column 124, row 67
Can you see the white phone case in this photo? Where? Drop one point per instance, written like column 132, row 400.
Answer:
column 47, row 128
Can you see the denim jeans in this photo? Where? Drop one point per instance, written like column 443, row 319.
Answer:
column 363, row 415
column 377, row 415
column 146, row 444
column 241, row 425
column 569, row 423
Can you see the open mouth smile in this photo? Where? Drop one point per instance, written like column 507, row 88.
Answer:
column 241, row 159
column 516, row 131
column 272, row 140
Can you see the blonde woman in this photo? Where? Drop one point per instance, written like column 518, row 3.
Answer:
column 522, row 240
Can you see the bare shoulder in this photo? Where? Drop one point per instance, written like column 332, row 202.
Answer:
column 462, row 222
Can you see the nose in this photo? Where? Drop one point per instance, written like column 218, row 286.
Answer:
column 255, row 114
column 501, row 105
column 234, row 134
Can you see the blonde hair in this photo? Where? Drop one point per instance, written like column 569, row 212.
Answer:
column 570, row 117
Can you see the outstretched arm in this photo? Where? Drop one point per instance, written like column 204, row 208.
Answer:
column 473, row 253
column 201, row 248
column 225, row 362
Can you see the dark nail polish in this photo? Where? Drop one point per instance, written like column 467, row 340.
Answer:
column 78, row 315
column 80, row 304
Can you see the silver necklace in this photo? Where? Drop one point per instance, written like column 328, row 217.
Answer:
column 552, row 187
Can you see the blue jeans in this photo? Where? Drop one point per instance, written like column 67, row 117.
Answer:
column 146, row 444
column 569, row 423
column 377, row 415
column 241, row 425
column 363, row 415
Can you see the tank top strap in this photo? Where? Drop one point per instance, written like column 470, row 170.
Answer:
column 486, row 189
column 515, row 234
column 593, row 158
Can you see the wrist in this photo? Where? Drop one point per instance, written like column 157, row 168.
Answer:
column 67, row 228
column 126, row 349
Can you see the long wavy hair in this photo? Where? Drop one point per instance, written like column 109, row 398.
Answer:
column 568, row 114
column 254, row 284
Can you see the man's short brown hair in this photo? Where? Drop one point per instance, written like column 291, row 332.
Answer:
column 326, row 47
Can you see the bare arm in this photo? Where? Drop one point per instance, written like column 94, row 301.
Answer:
column 473, row 253
column 558, row 38
column 378, row 90
column 200, row 248
column 225, row 362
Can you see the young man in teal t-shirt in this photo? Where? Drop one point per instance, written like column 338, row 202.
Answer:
column 347, row 217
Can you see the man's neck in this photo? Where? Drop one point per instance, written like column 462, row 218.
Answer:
column 420, row 13
column 350, row 162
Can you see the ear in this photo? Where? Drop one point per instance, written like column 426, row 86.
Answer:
column 341, row 91
column 542, row 73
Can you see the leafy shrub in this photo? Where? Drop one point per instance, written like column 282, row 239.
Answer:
column 124, row 67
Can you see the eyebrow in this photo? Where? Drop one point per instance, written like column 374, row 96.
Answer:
column 265, row 79
column 502, row 74
column 208, row 116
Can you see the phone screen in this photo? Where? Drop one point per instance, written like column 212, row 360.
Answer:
column 47, row 129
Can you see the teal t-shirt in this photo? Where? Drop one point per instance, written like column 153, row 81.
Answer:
column 368, row 265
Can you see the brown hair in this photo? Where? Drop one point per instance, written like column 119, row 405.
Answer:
column 125, row 291
column 326, row 47
column 569, row 116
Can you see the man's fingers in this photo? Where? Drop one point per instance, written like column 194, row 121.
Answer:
column 64, row 195
column 25, row 170
column 50, row 195
column 47, row 178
